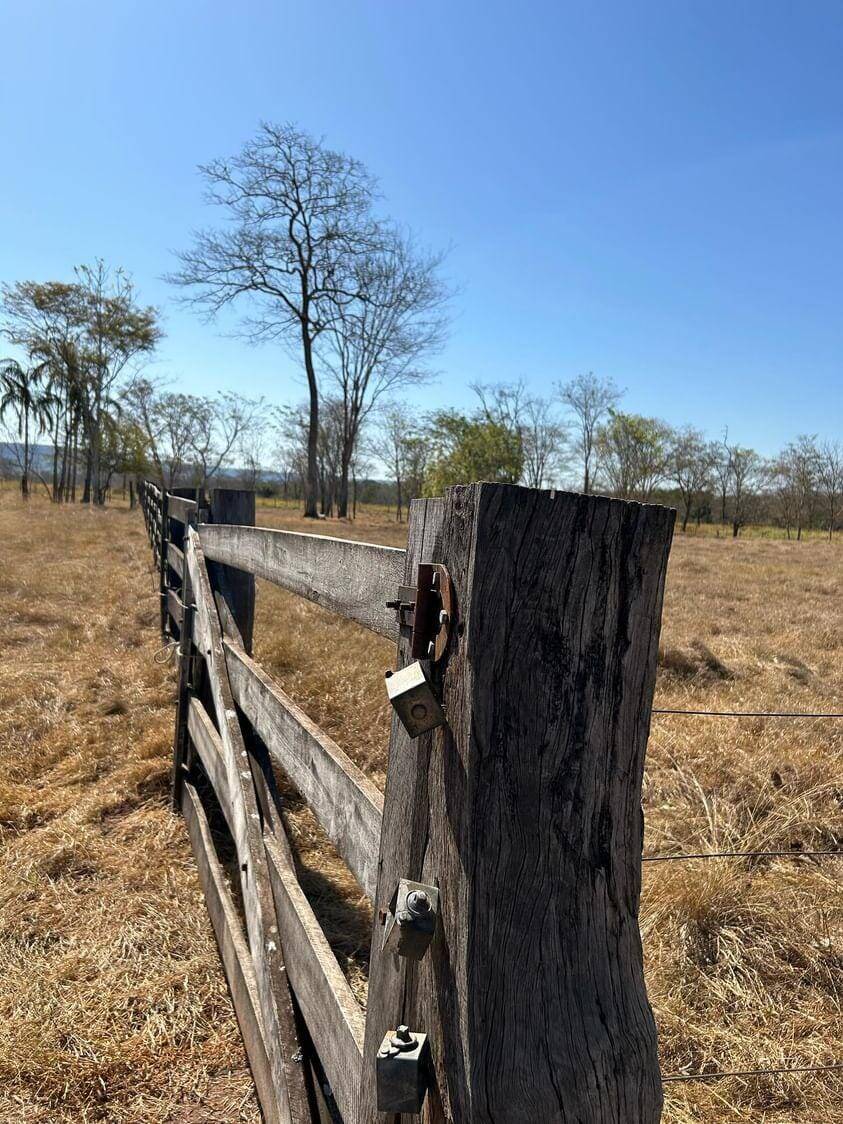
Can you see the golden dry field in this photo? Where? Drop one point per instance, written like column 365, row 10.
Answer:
column 113, row 1006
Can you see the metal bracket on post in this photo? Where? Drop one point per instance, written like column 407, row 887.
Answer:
column 413, row 699
column 401, row 1070
column 410, row 921
column 428, row 609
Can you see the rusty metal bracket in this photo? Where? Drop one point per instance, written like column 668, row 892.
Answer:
column 428, row 608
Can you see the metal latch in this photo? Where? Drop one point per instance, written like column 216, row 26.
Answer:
column 428, row 609
column 410, row 921
column 413, row 699
column 401, row 1071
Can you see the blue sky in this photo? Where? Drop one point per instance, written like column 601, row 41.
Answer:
column 648, row 190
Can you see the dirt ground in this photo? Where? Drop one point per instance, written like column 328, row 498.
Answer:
column 114, row 1007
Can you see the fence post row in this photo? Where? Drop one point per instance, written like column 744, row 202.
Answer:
column 523, row 811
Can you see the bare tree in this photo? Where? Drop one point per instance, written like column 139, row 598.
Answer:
column 691, row 463
column 542, row 437
column 589, row 398
column 166, row 420
column 633, row 454
column 830, row 479
column 720, row 463
column 744, row 469
column 253, row 449
column 545, row 443
column 393, row 444
column 217, row 426
column 794, row 475
column 298, row 218
column 379, row 340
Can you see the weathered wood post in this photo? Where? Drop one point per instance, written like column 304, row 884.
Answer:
column 525, row 812
column 164, row 536
column 235, row 587
column 188, row 662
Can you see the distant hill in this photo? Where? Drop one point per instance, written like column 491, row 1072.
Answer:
column 11, row 453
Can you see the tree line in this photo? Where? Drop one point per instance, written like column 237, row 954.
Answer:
column 301, row 253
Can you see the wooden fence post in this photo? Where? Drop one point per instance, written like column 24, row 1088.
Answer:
column 188, row 671
column 162, row 563
column 235, row 587
column 525, row 811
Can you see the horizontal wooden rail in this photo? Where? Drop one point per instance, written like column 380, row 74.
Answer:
column 175, row 558
column 234, row 952
column 354, row 579
column 209, row 746
column 346, row 803
column 334, row 1018
column 181, row 509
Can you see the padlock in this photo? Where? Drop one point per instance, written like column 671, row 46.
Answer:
column 415, row 703
column 401, row 1071
column 411, row 919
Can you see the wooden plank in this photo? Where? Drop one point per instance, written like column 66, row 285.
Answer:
column 208, row 745
column 181, row 509
column 161, row 562
column 261, row 924
column 334, row 1018
column 235, row 588
column 351, row 578
column 175, row 558
column 174, row 606
column 528, row 816
column 346, row 803
column 233, row 950
column 391, row 977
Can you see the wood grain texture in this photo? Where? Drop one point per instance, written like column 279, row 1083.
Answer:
column 175, row 559
column 404, row 832
column 351, row 578
column 529, row 814
column 161, row 562
column 261, row 924
column 232, row 586
column 209, row 747
column 175, row 609
column 347, row 805
column 334, row 1018
column 234, row 952
column 181, row 509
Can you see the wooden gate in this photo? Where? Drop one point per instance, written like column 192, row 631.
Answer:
column 523, row 810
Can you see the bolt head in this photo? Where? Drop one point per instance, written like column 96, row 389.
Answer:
column 418, row 902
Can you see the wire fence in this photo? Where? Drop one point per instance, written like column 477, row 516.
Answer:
column 792, row 854
column 718, row 1075
column 750, row 713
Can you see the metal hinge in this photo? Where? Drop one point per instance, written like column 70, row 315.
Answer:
column 428, row 609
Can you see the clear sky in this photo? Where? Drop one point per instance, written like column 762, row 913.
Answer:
column 649, row 190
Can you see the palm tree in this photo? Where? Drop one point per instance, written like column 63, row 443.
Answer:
column 21, row 393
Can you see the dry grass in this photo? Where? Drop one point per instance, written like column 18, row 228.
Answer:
column 116, row 1009
column 113, row 1006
